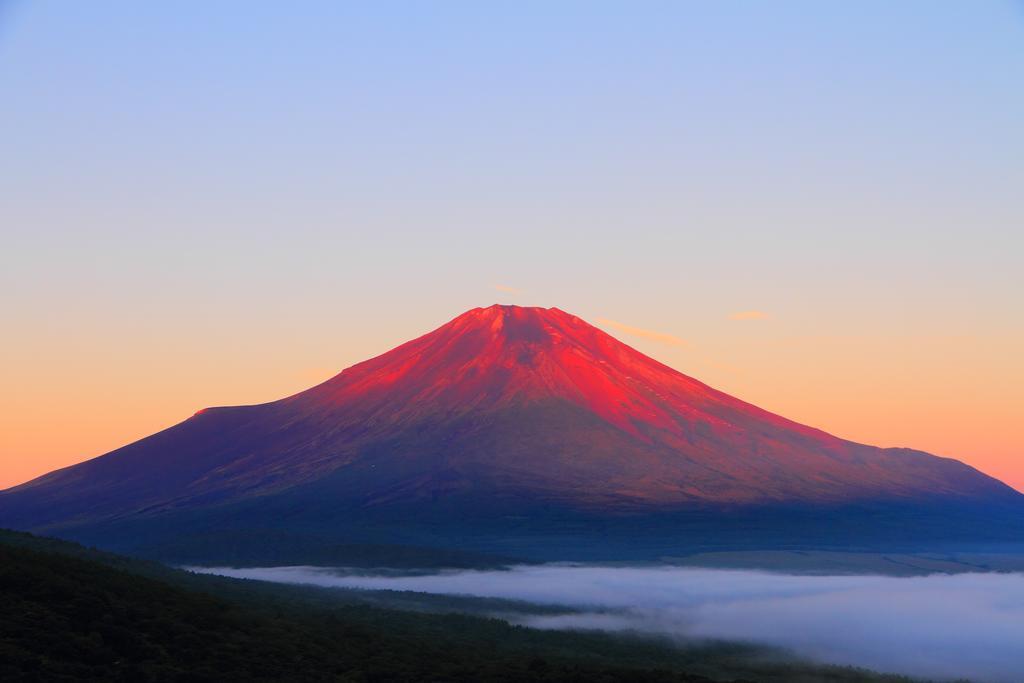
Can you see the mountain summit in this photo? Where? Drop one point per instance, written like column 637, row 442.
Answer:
column 505, row 423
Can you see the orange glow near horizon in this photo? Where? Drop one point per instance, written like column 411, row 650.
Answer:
column 950, row 396
column 813, row 207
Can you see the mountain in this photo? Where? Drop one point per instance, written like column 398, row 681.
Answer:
column 520, row 430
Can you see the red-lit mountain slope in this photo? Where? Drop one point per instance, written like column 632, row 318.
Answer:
column 525, row 408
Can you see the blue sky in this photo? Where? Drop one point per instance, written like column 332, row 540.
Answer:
column 248, row 192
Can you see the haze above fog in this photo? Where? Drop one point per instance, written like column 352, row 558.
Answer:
column 938, row 626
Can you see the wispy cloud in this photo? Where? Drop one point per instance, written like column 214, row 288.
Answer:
column 749, row 315
column 507, row 289
column 661, row 337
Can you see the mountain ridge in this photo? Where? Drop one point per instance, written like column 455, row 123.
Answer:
column 502, row 412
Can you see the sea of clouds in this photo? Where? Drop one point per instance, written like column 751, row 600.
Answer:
column 938, row 626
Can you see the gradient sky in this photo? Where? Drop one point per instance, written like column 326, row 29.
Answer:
column 817, row 207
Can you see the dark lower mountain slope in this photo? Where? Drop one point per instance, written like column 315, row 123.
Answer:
column 523, row 431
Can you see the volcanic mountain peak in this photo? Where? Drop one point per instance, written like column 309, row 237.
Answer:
column 494, row 357
column 504, row 355
column 504, row 410
column 517, row 327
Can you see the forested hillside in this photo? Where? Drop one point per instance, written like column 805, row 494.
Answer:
column 71, row 613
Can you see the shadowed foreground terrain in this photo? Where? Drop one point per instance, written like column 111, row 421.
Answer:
column 70, row 613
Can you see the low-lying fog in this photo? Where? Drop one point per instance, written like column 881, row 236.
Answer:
column 939, row 626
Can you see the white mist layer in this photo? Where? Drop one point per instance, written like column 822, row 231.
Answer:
column 939, row 626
